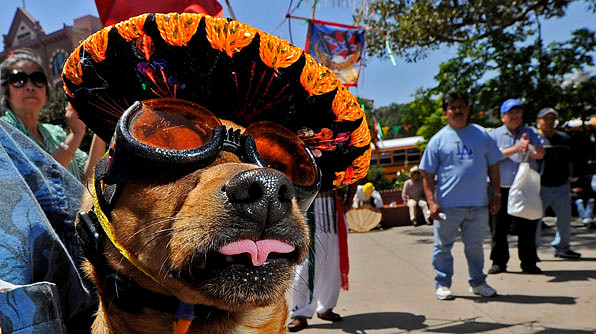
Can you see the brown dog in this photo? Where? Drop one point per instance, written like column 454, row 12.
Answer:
column 178, row 230
column 186, row 232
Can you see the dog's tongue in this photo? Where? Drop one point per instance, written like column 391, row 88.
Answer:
column 258, row 251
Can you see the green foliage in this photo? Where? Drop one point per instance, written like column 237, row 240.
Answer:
column 513, row 65
column 395, row 117
column 519, row 66
column 53, row 113
column 400, row 178
column 415, row 27
column 376, row 175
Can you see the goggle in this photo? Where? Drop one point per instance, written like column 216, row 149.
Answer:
column 18, row 79
column 174, row 137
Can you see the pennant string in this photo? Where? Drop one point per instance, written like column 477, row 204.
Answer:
column 389, row 51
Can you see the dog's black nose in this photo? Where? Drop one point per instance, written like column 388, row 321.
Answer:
column 264, row 194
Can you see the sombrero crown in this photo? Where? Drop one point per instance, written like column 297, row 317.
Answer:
column 236, row 71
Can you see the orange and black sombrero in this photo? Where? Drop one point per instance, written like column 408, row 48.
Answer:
column 236, row 71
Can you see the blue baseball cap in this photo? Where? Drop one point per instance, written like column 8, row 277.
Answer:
column 509, row 104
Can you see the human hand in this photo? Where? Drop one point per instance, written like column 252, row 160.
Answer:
column 435, row 211
column 523, row 143
column 494, row 205
column 76, row 126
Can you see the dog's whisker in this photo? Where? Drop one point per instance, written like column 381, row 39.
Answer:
column 153, row 224
column 163, row 263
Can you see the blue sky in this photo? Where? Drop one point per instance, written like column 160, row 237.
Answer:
column 380, row 80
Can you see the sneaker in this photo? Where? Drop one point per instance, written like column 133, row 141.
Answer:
column 568, row 254
column 586, row 221
column 497, row 268
column 484, row 290
column 444, row 293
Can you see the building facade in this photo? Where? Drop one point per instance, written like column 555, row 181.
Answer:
column 54, row 48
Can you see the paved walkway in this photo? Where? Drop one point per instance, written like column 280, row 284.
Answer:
column 392, row 289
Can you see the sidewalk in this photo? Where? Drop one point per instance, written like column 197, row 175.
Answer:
column 392, row 289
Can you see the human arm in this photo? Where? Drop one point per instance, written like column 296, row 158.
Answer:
column 495, row 181
column 429, row 191
column 97, row 150
column 404, row 192
column 68, row 147
column 523, row 145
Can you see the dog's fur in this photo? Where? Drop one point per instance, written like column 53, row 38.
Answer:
column 170, row 226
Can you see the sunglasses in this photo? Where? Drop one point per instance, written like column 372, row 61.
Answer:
column 175, row 137
column 18, row 79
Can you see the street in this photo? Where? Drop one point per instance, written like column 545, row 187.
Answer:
column 392, row 289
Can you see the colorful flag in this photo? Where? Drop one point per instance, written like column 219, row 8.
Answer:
column 340, row 49
column 114, row 11
column 377, row 129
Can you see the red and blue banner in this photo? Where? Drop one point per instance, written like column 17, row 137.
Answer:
column 339, row 47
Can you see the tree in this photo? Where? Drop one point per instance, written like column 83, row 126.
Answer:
column 514, row 65
column 53, row 113
column 411, row 28
column 397, row 120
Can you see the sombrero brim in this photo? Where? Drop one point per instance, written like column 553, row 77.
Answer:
column 237, row 72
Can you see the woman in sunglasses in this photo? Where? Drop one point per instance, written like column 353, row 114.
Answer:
column 24, row 93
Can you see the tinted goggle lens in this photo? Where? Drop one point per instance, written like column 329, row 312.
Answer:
column 19, row 79
column 282, row 150
column 176, row 125
column 173, row 125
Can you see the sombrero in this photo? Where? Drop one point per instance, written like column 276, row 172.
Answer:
column 236, row 71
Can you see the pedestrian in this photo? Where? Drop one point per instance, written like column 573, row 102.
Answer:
column 514, row 140
column 583, row 194
column 367, row 197
column 318, row 280
column 457, row 162
column 555, row 188
column 24, row 88
column 413, row 196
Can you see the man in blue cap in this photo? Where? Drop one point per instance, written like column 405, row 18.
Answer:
column 555, row 182
column 515, row 141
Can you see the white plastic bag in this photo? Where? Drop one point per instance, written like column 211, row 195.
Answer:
column 524, row 195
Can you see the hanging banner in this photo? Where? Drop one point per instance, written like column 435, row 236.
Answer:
column 338, row 48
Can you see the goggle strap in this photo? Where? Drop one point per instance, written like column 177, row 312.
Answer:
column 109, row 192
column 232, row 140
column 99, row 206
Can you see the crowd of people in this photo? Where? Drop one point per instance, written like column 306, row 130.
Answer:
column 468, row 176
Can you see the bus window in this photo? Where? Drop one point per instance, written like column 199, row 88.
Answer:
column 399, row 157
column 413, row 155
column 386, row 158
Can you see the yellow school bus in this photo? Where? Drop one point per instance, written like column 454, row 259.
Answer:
column 396, row 154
